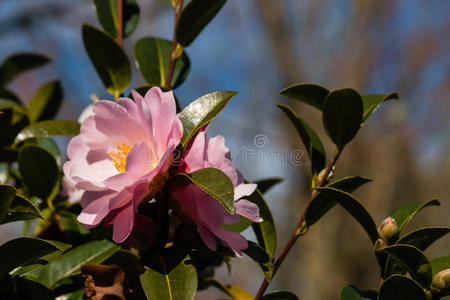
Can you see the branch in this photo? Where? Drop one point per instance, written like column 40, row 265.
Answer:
column 120, row 23
column 299, row 230
column 169, row 76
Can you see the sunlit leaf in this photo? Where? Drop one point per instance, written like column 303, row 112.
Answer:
column 46, row 101
column 48, row 129
column 372, row 102
column 215, row 183
column 152, row 58
column 202, row 111
column 403, row 214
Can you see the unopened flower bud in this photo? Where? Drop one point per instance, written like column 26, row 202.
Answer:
column 388, row 230
column 441, row 283
column 317, row 178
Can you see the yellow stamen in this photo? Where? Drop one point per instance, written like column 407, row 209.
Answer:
column 119, row 157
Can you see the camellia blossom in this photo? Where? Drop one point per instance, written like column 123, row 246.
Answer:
column 121, row 155
column 202, row 209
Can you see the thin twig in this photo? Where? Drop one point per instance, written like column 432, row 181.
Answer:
column 299, row 230
column 173, row 51
column 120, row 23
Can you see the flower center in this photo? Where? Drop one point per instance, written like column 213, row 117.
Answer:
column 119, row 157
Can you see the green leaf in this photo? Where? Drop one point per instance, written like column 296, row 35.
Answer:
column 422, row 238
column 399, row 287
column 265, row 231
column 46, row 101
column 310, row 139
column 78, row 295
column 39, row 170
column 351, row 292
column 7, row 194
column 439, row 264
column 178, row 283
column 21, row 209
column 260, row 256
column 9, row 95
column 11, row 121
column 215, row 183
column 322, row 203
column 202, row 111
column 194, row 17
column 21, row 251
column 16, row 64
column 413, row 260
column 354, row 207
column 309, row 93
column 403, row 214
column 280, row 295
column 70, row 263
column 342, row 115
column 372, row 102
column 47, row 129
column 48, row 144
column 106, row 11
column 110, row 61
column 152, row 58
column 266, row 184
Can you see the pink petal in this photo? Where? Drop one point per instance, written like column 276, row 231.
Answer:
column 123, row 223
column 247, row 209
column 208, row 238
column 244, row 189
column 95, row 207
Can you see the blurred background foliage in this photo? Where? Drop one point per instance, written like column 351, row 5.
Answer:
column 258, row 47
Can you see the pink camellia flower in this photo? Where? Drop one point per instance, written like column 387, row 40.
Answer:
column 202, row 209
column 121, row 155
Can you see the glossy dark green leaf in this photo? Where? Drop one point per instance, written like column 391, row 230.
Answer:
column 309, row 93
column 322, row 203
column 70, row 263
column 439, row 264
column 421, row 239
column 110, row 61
column 178, row 283
column 7, row 194
column 260, row 256
column 39, row 170
column 342, row 115
column 11, row 122
column 413, row 260
column 354, row 207
column 201, row 111
column 215, row 183
column 403, row 214
column 266, row 184
column 372, row 102
column 21, row 251
column 49, row 128
column 280, row 295
column 311, row 140
column 21, row 209
column 152, row 58
column 399, row 287
column 106, row 11
column 16, row 64
column 194, row 17
column 49, row 145
column 351, row 292
column 46, row 101
column 265, row 231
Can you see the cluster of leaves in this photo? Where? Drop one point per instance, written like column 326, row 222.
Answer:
column 344, row 111
column 61, row 256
